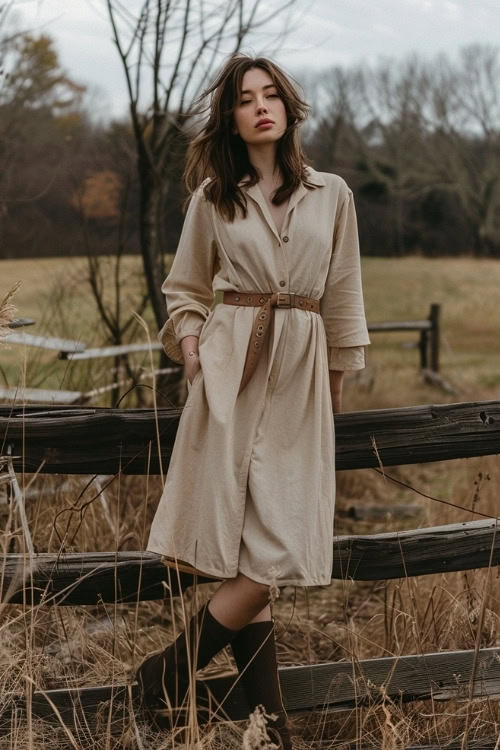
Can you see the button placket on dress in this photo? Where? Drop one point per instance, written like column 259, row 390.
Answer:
column 284, row 281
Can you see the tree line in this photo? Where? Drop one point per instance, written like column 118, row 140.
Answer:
column 417, row 140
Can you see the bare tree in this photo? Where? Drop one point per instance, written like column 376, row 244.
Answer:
column 433, row 127
column 334, row 115
column 106, row 277
column 387, row 114
column 168, row 50
column 466, row 138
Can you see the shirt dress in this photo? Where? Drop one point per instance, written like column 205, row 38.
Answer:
column 251, row 483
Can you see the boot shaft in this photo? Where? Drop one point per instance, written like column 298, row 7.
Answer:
column 167, row 672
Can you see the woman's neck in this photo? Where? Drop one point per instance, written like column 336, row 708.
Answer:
column 263, row 158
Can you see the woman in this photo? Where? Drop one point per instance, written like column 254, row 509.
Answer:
column 266, row 312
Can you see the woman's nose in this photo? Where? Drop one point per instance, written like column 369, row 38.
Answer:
column 261, row 107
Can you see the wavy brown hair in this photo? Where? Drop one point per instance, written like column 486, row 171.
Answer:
column 219, row 154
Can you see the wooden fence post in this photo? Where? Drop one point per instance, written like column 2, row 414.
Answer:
column 434, row 319
column 423, row 346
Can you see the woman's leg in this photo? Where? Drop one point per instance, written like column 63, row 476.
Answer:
column 263, row 616
column 254, row 651
column 239, row 601
column 164, row 677
column 237, row 604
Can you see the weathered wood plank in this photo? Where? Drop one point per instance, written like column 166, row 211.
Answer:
column 438, row 549
column 21, row 323
column 86, row 578
column 45, row 342
column 39, row 395
column 18, row 395
column 112, row 440
column 434, row 378
column 406, row 325
column 361, row 511
column 337, row 686
column 109, row 351
column 417, row 434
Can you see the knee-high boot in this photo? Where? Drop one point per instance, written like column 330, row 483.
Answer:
column 254, row 650
column 163, row 678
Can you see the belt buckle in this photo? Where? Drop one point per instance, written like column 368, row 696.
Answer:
column 284, row 304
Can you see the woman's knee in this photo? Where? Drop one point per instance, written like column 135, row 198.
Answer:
column 259, row 591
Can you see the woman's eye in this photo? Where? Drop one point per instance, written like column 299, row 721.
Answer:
column 246, row 101
column 272, row 96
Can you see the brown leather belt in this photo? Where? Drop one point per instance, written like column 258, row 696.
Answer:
column 267, row 301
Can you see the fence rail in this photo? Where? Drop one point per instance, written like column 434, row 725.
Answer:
column 21, row 323
column 110, row 441
column 338, row 686
column 88, row 578
column 429, row 339
column 59, row 397
column 124, row 440
column 110, row 351
column 44, row 342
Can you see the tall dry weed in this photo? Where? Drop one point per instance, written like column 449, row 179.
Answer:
column 7, row 313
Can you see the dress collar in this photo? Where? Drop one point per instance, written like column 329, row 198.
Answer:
column 254, row 192
column 314, row 177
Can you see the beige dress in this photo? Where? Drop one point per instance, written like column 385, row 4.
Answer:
column 251, row 481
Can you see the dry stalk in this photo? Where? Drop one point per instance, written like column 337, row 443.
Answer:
column 7, row 313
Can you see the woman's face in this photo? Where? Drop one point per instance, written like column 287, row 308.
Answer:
column 259, row 115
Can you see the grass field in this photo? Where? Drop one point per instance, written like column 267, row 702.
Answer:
column 98, row 645
column 55, row 293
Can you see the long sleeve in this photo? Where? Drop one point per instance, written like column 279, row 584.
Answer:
column 342, row 306
column 346, row 358
column 188, row 286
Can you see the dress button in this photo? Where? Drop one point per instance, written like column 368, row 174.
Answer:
column 285, row 238
column 282, row 283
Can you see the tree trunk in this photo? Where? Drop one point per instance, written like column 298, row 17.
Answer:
column 399, row 224
column 151, row 244
column 151, row 216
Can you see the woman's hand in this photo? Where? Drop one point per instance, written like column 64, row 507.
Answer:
column 189, row 346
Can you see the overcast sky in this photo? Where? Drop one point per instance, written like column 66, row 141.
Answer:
column 329, row 32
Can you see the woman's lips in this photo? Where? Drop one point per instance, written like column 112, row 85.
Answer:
column 265, row 125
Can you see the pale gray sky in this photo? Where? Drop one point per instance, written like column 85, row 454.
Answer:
column 329, row 32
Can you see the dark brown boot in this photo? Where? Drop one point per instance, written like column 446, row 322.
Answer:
column 254, row 650
column 163, row 678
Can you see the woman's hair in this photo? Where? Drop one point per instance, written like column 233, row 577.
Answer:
column 219, row 154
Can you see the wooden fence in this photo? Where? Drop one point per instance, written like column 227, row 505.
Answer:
column 21, row 323
column 428, row 345
column 125, row 440
column 429, row 338
column 114, row 441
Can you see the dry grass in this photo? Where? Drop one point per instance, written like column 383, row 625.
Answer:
column 55, row 294
column 7, row 312
column 404, row 290
column 76, row 646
